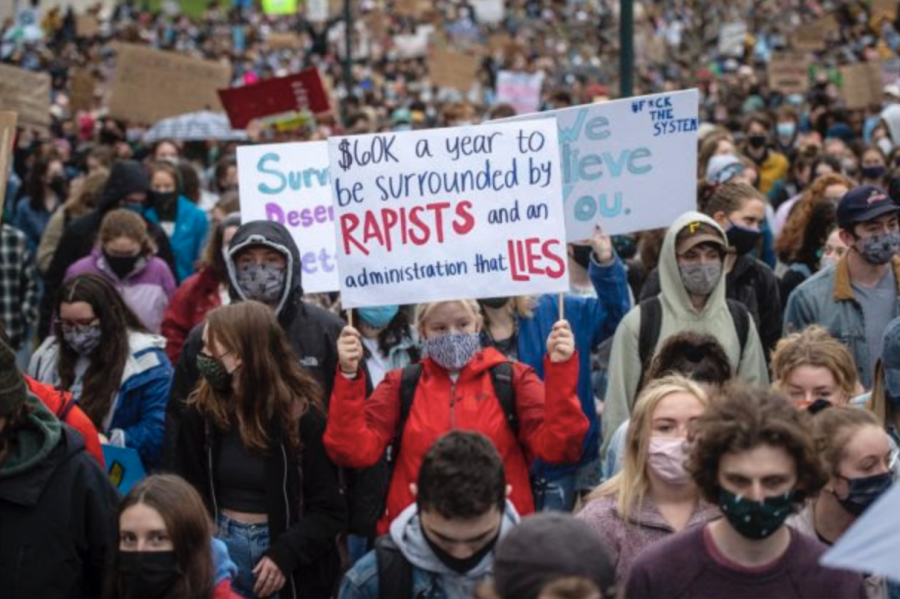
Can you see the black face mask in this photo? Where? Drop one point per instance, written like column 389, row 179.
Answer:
column 121, row 265
column 461, row 566
column 625, row 246
column 148, row 574
column 166, row 204
column 757, row 141
column 742, row 240
column 494, row 302
column 59, row 186
column 581, row 254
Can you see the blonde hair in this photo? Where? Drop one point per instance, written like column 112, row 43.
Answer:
column 632, row 483
column 425, row 309
column 814, row 346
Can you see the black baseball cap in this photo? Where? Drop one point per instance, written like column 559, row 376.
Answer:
column 862, row 204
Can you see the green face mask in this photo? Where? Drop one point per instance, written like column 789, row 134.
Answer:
column 214, row 372
column 755, row 519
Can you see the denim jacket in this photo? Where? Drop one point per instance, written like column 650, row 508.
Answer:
column 827, row 299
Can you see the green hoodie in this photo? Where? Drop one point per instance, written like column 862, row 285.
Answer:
column 33, row 442
column 678, row 314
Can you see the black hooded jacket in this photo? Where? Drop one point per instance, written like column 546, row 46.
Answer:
column 126, row 177
column 311, row 331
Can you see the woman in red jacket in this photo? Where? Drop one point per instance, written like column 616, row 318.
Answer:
column 455, row 391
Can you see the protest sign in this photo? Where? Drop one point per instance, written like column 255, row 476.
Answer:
column 279, row 7
column 732, row 38
column 884, row 9
column 412, row 8
column 124, row 467
column 862, row 85
column 284, row 41
column 789, row 72
column 442, row 214
column 449, row 68
column 87, row 25
column 814, row 35
column 489, row 12
column 520, row 90
column 316, row 10
column 81, row 90
column 7, row 138
column 26, row 93
column 302, row 91
column 288, row 183
column 628, row 165
column 152, row 84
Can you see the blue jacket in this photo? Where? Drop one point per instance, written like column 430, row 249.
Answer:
column 593, row 320
column 31, row 222
column 140, row 407
column 827, row 299
column 188, row 238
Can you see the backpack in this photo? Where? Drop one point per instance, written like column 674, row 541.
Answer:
column 501, row 377
column 651, row 323
column 395, row 573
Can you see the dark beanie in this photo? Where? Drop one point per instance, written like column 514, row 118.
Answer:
column 545, row 548
column 13, row 392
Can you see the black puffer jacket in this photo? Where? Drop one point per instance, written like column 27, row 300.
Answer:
column 78, row 239
column 311, row 331
column 57, row 516
column 752, row 283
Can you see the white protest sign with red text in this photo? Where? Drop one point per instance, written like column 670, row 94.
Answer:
column 446, row 214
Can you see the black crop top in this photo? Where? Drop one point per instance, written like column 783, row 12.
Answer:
column 241, row 476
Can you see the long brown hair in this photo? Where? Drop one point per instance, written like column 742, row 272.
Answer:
column 187, row 525
column 107, row 363
column 269, row 384
column 790, row 242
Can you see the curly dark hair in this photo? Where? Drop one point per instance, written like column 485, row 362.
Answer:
column 742, row 418
column 698, row 356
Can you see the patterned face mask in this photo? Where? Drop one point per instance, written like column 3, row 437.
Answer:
column 865, row 491
column 454, row 350
column 214, row 372
column 755, row 519
column 84, row 340
column 879, row 249
column 262, row 282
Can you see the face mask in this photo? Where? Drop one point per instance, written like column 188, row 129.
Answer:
column 625, row 246
column 755, row 520
column 700, row 279
column 214, row 372
column 494, row 302
column 83, row 340
column 879, row 249
column 461, row 566
column 148, row 574
column 786, row 130
column 757, row 141
column 884, row 144
column 581, row 254
column 378, row 317
column 453, row 350
column 121, row 265
column 134, row 207
column 262, row 282
column 166, row 204
column 743, row 240
column 864, row 492
column 667, row 457
column 872, row 172
column 58, row 186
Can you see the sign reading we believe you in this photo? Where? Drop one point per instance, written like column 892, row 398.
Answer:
column 444, row 214
column 628, row 165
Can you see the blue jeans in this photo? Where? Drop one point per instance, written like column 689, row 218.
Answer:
column 247, row 544
column 357, row 546
column 555, row 495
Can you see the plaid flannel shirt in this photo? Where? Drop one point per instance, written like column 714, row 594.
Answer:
column 19, row 293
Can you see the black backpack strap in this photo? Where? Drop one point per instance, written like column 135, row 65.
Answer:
column 741, row 317
column 395, row 573
column 502, row 379
column 651, row 324
column 63, row 412
column 409, row 380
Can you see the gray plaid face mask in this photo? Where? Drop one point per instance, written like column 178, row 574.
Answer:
column 700, row 279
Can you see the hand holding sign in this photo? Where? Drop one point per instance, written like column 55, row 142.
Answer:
column 561, row 342
column 350, row 351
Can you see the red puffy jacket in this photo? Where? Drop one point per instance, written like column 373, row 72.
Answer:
column 359, row 429
column 64, row 407
column 194, row 298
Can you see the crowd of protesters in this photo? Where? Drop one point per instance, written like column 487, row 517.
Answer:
column 720, row 404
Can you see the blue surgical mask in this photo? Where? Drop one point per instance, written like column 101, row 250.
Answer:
column 378, row 317
column 786, row 130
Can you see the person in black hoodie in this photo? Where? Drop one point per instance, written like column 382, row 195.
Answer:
column 127, row 187
column 263, row 264
column 57, row 506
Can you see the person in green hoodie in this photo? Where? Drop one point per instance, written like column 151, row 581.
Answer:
column 57, row 506
column 692, row 297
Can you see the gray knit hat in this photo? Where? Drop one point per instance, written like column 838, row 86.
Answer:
column 13, row 392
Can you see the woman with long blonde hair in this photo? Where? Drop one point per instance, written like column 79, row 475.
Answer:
column 653, row 496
